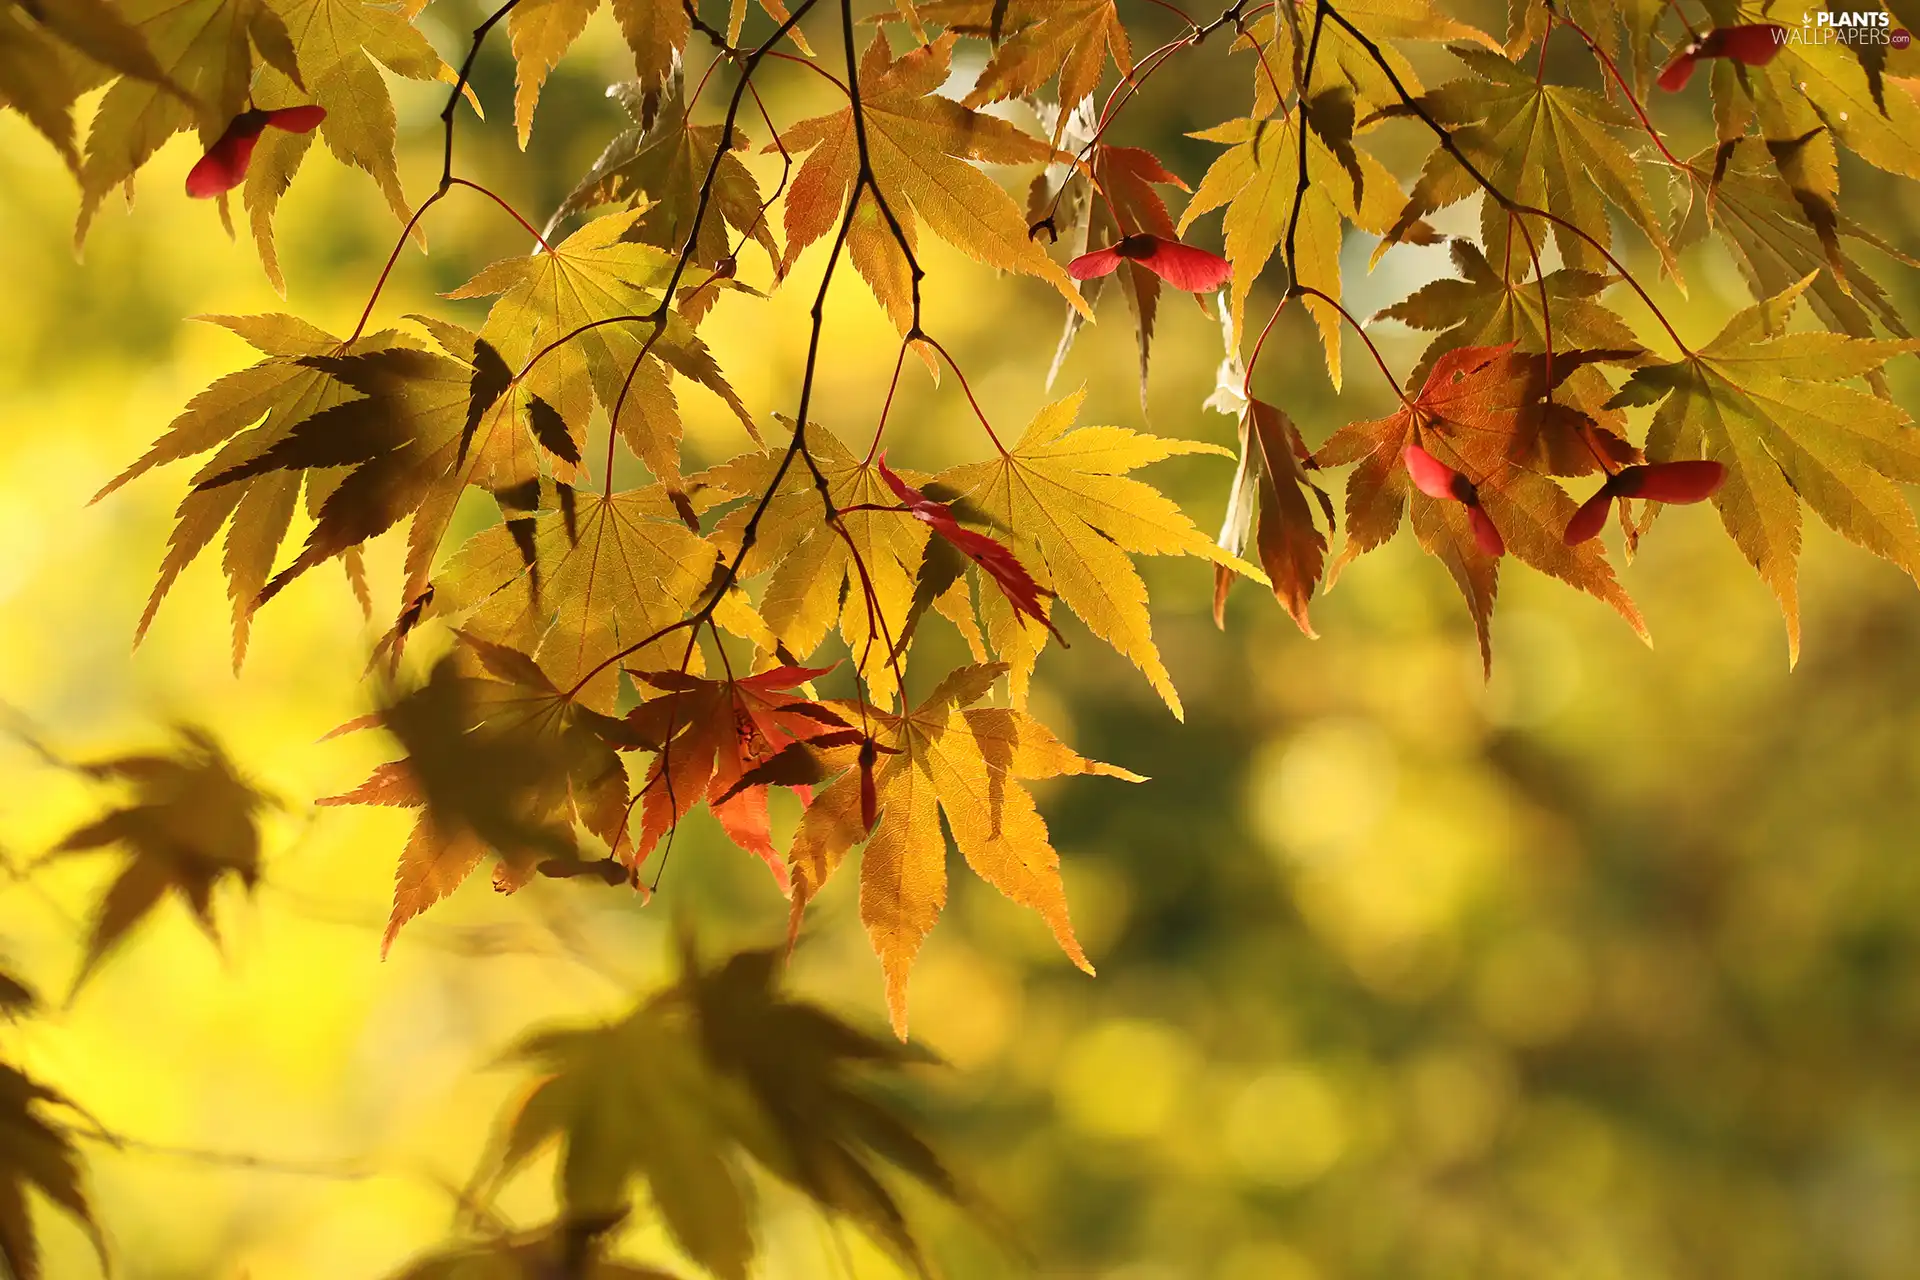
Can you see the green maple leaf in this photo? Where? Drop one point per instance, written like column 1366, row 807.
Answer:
column 336, row 43
column 660, row 163
column 717, row 1070
column 1548, row 146
column 1486, row 309
column 191, row 824
column 1776, row 241
column 35, row 1153
column 1762, row 402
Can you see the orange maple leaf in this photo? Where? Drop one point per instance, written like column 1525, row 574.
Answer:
column 1487, row 414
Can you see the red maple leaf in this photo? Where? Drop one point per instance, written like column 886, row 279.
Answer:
column 993, row 557
column 713, row 734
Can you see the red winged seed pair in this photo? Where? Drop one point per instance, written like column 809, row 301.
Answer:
column 1754, row 45
column 1180, row 265
column 1692, row 481
column 224, row 166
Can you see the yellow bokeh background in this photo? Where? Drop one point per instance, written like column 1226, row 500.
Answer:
column 1606, row 966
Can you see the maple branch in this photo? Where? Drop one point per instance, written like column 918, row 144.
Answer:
column 954, row 365
column 447, row 180
column 341, row 1170
column 1130, row 85
column 1311, row 292
column 512, row 212
column 1506, row 202
column 447, row 112
column 1559, row 19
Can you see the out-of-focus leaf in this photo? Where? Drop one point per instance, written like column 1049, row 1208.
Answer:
column 502, row 763
column 191, row 824
column 34, row 1153
column 709, row 1077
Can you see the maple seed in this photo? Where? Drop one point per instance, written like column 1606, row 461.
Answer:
column 224, row 166
column 1438, row 480
column 1180, row 265
column 1753, row 45
column 993, row 557
column 1691, row 481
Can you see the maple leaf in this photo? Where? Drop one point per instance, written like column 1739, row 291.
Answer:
column 244, row 415
column 1258, row 179
column 36, row 1152
column 1776, row 240
column 1036, row 39
column 204, row 47
column 1814, row 86
column 1482, row 416
column 1488, row 309
column 1544, row 145
column 337, row 44
column 593, row 276
column 47, row 60
column 713, row 1072
column 721, row 730
column 16, row 997
column 813, row 578
column 1760, row 401
column 1272, row 482
column 191, row 824
column 541, row 32
column 1343, row 61
column 401, row 438
column 498, row 761
column 580, row 581
column 993, row 557
column 966, row 763
column 660, row 164
column 1066, row 492
column 921, row 146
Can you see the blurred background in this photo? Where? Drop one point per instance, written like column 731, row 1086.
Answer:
column 1608, row 966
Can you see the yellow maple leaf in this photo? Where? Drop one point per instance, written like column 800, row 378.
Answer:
column 967, row 763
column 1066, row 492
column 921, row 146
